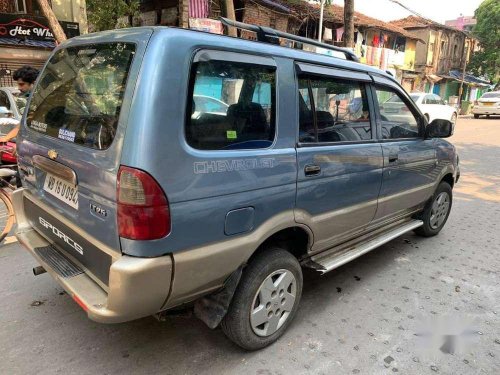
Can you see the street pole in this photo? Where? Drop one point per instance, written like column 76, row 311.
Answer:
column 321, row 11
column 460, row 90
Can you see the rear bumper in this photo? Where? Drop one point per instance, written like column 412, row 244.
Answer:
column 137, row 287
column 476, row 110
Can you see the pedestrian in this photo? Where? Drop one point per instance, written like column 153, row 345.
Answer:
column 25, row 78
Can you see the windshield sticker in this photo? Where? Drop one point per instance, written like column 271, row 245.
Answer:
column 39, row 126
column 218, row 166
column 67, row 135
column 231, row 134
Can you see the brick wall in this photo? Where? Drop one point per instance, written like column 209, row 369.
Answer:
column 257, row 15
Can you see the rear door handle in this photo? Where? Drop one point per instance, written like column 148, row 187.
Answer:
column 312, row 170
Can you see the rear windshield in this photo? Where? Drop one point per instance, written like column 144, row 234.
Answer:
column 491, row 95
column 80, row 93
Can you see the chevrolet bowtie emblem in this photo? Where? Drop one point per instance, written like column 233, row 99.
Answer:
column 52, row 154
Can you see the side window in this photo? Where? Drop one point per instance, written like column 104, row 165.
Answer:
column 4, row 100
column 333, row 110
column 396, row 118
column 427, row 99
column 232, row 106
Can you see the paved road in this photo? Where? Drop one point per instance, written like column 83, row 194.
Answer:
column 385, row 312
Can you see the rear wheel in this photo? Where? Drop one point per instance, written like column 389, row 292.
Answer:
column 265, row 301
column 476, row 116
column 436, row 212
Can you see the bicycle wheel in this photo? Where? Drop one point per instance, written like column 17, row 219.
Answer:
column 7, row 217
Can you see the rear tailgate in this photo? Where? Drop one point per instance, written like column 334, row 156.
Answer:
column 71, row 140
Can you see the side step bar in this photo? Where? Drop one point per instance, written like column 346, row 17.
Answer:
column 334, row 258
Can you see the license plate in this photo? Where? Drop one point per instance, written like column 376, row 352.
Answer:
column 488, row 104
column 62, row 190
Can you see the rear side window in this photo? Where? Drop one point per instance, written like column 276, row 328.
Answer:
column 231, row 106
column 333, row 110
column 80, row 93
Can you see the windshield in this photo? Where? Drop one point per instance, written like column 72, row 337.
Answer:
column 80, row 92
column 491, row 95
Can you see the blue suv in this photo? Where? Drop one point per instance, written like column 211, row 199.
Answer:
column 166, row 168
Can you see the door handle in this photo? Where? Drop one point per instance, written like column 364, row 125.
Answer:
column 312, row 170
column 393, row 158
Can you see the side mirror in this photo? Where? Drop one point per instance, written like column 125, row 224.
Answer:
column 439, row 129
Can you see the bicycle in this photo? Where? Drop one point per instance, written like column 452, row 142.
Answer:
column 8, row 183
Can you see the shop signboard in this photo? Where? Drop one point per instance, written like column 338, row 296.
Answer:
column 32, row 27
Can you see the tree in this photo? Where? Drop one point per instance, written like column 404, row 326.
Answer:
column 110, row 14
column 229, row 4
column 53, row 22
column 349, row 23
column 487, row 31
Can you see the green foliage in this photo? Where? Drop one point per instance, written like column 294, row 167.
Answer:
column 106, row 14
column 487, row 31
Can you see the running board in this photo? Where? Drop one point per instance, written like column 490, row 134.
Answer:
column 334, row 258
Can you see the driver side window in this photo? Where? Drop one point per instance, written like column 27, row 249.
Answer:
column 397, row 119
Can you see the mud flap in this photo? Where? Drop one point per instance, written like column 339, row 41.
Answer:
column 212, row 309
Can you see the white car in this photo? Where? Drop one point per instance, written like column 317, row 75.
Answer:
column 433, row 107
column 488, row 104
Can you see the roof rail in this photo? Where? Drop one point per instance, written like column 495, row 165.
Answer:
column 269, row 35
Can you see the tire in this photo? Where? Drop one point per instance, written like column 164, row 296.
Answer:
column 7, row 217
column 439, row 205
column 476, row 116
column 269, row 268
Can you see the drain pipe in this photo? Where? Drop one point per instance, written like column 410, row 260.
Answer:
column 38, row 270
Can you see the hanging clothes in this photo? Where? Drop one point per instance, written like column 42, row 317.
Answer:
column 376, row 40
column 339, row 33
column 328, row 34
column 198, row 8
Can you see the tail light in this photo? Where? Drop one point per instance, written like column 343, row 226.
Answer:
column 143, row 210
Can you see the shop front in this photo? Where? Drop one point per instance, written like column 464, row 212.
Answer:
column 26, row 40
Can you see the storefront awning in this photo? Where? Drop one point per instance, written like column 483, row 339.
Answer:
column 433, row 78
column 467, row 78
column 27, row 43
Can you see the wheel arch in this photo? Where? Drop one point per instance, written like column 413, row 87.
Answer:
column 295, row 239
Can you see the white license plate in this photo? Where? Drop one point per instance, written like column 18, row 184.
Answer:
column 62, row 190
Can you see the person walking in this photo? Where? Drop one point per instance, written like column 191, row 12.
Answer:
column 25, row 78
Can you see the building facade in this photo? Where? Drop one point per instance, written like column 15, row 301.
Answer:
column 441, row 60
column 25, row 35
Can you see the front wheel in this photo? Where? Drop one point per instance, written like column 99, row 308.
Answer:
column 476, row 116
column 453, row 119
column 436, row 212
column 265, row 301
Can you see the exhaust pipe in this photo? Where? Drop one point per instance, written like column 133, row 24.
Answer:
column 38, row 270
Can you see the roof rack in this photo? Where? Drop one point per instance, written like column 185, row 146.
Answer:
column 269, row 35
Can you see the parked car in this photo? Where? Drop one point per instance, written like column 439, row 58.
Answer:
column 12, row 102
column 207, row 104
column 136, row 207
column 433, row 107
column 488, row 104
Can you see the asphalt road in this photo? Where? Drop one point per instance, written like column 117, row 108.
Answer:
column 413, row 306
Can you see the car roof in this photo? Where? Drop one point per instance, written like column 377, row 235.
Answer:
column 210, row 40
